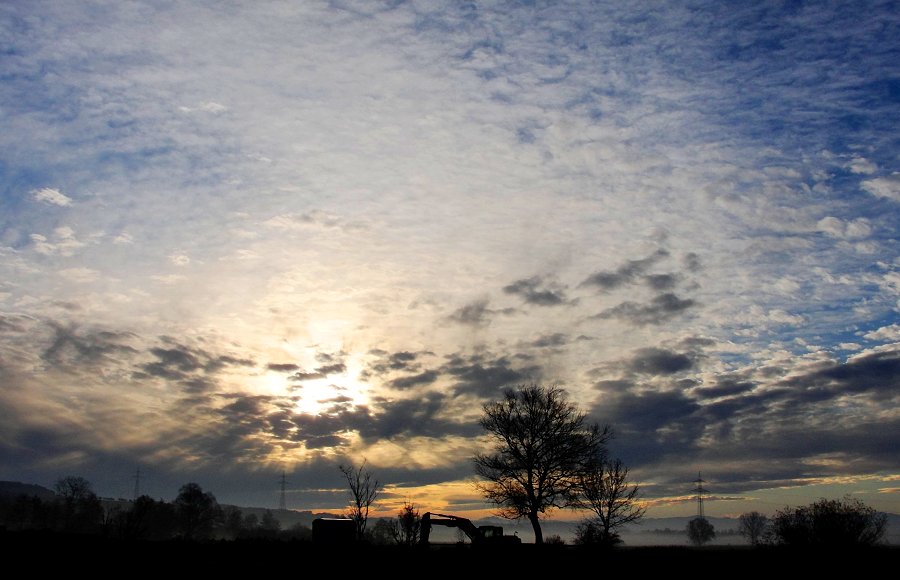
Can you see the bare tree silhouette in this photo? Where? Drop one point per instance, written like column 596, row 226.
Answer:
column 605, row 490
column 542, row 446
column 364, row 490
column 753, row 526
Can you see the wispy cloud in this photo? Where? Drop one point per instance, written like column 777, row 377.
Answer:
column 51, row 196
column 887, row 187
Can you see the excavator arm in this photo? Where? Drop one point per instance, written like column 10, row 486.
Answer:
column 429, row 519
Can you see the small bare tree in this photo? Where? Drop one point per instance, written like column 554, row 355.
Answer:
column 406, row 527
column 753, row 526
column 364, row 490
column 605, row 491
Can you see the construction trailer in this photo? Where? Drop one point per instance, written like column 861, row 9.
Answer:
column 333, row 531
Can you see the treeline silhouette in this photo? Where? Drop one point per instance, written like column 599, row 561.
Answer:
column 195, row 514
column 195, row 535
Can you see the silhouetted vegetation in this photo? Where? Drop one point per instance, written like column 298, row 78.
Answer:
column 554, row 540
column 195, row 515
column 147, row 520
column 81, row 509
column 381, row 533
column 753, row 526
column 835, row 522
column 197, row 512
column 591, row 533
column 75, row 516
column 543, row 447
column 406, row 526
column 604, row 490
column 700, row 531
column 364, row 490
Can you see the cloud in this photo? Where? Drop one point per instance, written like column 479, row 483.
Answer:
column 885, row 333
column 887, row 187
column 282, row 367
column 692, row 262
column 660, row 309
column 696, row 342
column 179, row 259
column 63, row 242
column 657, row 361
column 305, row 376
column 299, row 221
column 333, row 369
column 856, row 229
column 70, row 346
column 848, row 346
column 422, row 416
column 726, row 386
column 247, row 417
column 406, row 361
column 650, row 424
column 625, row 274
column 534, row 291
column 11, row 324
column 178, row 362
column 861, row 165
column 768, row 424
column 877, row 373
column 51, row 197
column 424, row 378
column 206, row 107
column 661, row 282
column 556, row 339
column 173, row 363
column 485, row 376
column 477, row 313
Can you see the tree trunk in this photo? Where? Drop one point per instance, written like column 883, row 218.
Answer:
column 536, row 524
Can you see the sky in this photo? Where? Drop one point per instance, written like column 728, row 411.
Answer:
column 240, row 238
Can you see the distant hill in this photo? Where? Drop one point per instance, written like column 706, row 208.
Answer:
column 17, row 488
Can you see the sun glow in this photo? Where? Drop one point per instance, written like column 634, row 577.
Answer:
column 322, row 395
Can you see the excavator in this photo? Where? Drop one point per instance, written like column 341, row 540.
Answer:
column 479, row 536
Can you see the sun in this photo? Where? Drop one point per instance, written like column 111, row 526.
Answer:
column 321, row 395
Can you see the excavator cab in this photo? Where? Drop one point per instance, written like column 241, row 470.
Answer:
column 489, row 532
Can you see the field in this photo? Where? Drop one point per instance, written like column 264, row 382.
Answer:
column 43, row 553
